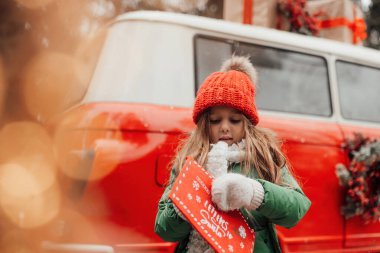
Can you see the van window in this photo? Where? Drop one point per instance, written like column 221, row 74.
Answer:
column 288, row 81
column 359, row 89
column 144, row 63
column 209, row 55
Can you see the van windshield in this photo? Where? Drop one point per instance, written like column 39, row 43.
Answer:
column 288, row 81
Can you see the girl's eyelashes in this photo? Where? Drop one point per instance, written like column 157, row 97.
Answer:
column 214, row 121
column 232, row 121
column 235, row 121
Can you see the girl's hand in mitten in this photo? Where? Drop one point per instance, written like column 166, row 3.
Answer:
column 236, row 152
column 233, row 191
column 217, row 163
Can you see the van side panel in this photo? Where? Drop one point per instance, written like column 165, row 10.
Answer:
column 119, row 193
column 313, row 149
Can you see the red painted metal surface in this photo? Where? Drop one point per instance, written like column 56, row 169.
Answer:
column 132, row 145
column 313, row 149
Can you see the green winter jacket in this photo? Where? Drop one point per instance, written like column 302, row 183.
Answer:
column 284, row 206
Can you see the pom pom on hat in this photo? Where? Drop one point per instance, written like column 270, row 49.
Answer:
column 233, row 86
column 242, row 64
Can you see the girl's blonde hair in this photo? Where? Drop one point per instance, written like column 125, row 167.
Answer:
column 263, row 149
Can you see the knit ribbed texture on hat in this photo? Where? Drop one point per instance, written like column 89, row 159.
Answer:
column 232, row 88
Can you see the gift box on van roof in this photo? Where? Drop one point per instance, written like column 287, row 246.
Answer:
column 339, row 20
column 254, row 12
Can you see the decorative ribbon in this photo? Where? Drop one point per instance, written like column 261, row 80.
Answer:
column 357, row 26
column 248, row 12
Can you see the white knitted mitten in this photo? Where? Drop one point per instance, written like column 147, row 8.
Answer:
column 236, row 152
column 217, row 163
column 233, row 191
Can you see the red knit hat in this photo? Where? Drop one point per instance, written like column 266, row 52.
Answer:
column 233, row 86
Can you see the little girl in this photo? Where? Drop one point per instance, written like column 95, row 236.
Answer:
column 250, row 171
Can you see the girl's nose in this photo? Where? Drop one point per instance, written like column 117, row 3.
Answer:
column 225, row 127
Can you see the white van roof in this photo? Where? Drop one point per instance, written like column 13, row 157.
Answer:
column 255, row 32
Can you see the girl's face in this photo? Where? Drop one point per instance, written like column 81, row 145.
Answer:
column 226, row 124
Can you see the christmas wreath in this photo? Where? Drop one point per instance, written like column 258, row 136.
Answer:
column 361, row 180
column 299, row 20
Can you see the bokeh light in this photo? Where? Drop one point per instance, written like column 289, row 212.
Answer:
column 29, row 194
column 25, row 140
column 51, row 83
column 23, row 198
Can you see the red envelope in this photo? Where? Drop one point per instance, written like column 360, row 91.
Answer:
column 224, row 231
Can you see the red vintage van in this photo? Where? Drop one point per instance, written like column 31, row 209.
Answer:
column 114, row 147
